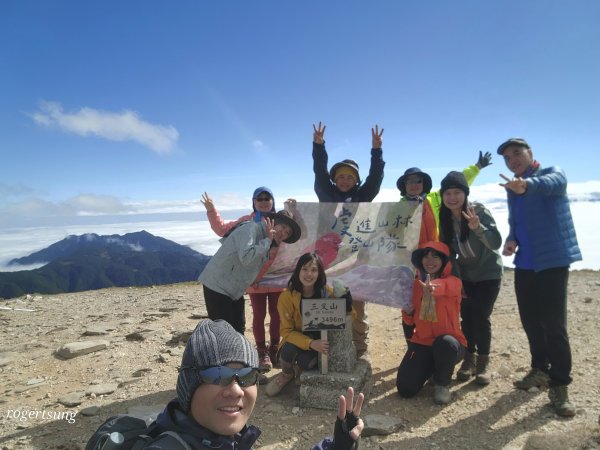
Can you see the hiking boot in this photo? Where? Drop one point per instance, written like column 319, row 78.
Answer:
column 278, row 383
column 535, row 378
column 273, row 354
column 297, row 373
column 559, row 398
column 482, row 376
column 262, row 379
column 264, row 361
column 467, row 368
column 441, row 395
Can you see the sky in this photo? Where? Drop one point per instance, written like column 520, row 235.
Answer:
column 122, row 108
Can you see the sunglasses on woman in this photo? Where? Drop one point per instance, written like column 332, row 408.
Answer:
column 224, row 376
column 263, row 199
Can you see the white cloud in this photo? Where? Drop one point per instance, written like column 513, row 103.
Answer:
column 80, row 205
column 115, row 126
column 14, row 190
column 89, row 204
column 259, row 145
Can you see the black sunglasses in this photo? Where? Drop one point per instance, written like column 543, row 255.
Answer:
column 224, row 376
column 263, row 199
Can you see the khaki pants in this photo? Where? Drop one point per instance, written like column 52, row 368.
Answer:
column 360, row 327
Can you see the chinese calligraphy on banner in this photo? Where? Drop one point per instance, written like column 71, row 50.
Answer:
column 367, row 246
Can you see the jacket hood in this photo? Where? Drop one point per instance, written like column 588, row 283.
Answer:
column 439, row 247
column 259, row 190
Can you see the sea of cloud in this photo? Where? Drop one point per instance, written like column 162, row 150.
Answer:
column 193, row 230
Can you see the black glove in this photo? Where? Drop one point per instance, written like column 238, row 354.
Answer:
column 348, row 298
column 484, row 160
column 341, row 432
column 409, row 330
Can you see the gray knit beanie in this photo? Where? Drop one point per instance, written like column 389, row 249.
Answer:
column 211, row 344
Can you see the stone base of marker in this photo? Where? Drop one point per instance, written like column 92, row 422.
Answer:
column 322, row 391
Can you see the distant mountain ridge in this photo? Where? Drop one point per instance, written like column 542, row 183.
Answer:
column 91, row 261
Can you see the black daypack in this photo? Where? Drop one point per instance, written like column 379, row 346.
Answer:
column 131, row 433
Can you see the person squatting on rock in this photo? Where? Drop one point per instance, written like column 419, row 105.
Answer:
column 542, row 238
column 470, row 231
column 239, row 260
column 261, row 298
column 299, row 350
column 342, row 183
column 216, row 394
column 438, row 343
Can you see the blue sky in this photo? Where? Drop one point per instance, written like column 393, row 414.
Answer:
column 119, row 107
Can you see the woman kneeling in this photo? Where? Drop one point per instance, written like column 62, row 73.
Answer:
column 438, row 343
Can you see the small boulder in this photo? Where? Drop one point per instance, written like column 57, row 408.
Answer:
column 75, row 349
column 72, row 399
column 101, row 389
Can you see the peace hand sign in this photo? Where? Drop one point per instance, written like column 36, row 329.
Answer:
column 349, row 425
column 517, row 185
column 427, row 285
column 270, row 225
column 208, row 202
column 319, row 134
column 376, row 137
column 472, row 218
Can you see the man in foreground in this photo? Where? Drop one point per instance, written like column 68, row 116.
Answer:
column 216, row 393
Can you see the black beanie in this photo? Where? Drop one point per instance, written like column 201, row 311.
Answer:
column 455, row 180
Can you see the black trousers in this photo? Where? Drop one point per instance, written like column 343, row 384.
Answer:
column 220, row 306
column 422, row 361
column 475, row 312
column 542, row 301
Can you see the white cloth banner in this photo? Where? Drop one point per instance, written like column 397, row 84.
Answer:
column 367, row 246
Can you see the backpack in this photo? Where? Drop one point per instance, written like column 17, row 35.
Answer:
column 124, row 432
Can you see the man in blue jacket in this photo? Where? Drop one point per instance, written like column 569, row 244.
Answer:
column 542, row 238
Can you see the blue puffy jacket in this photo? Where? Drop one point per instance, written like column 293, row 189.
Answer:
column 546, row 218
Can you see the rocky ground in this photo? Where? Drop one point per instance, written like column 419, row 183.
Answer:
column 140, row 334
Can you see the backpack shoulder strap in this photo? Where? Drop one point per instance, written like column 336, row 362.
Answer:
column 167, row 440
column 235, row 228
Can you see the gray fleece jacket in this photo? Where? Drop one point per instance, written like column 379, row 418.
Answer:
column 237, row 263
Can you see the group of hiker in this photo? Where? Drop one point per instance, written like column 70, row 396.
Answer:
column 458, row 276
column 449, row 321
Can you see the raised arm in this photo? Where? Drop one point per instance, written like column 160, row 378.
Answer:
column 323, row 184
column 552, row 182
column 217, row 224
column 372, row 184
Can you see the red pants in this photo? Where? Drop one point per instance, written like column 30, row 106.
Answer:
column 259, row 313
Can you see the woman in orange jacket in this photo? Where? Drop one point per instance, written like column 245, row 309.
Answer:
column 438, row 343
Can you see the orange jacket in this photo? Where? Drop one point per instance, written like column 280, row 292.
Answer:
column 447, row 296
column 429, row 231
